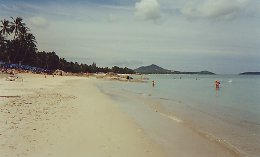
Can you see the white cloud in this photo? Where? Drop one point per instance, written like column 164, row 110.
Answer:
column 38, row 22
column 148, row 10
column 216, row 9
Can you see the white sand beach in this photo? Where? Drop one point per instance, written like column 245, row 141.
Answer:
column 69, row 116
column 66, row 116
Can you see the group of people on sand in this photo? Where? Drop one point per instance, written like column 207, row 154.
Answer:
column 12, row 76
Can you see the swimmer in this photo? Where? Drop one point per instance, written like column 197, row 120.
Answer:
column 153, row 83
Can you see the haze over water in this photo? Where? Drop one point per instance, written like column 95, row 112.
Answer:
column 229, row 115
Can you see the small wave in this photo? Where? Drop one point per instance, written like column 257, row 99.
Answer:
column 222, row 142
column 146, row 94
column 176, row 119
column 164, row 99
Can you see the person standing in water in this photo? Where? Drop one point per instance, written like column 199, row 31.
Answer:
column 153, row 83
column 217, row 83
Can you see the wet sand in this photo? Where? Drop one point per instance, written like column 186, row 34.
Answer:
column 175, row 136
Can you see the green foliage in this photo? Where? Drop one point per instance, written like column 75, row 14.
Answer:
column 125, row 70
column 18, row 46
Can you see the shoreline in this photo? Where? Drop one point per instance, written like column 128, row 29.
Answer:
column 158, row 114
column 67, row 116
column 65, row 98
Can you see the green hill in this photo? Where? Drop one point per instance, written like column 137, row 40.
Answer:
column 152, row 69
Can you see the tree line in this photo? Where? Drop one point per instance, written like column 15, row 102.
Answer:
column 18, row 46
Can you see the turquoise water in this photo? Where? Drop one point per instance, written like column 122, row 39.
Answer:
column 230, row 114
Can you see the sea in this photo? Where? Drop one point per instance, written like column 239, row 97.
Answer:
column 229, row 115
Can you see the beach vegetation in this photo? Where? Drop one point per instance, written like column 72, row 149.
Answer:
column 18, row 46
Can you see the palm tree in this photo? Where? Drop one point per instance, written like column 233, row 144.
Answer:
column 4, row 55
column 23, row 32
column 2, row 45
column 17, row 26
column 5, row 27
column 29, row 43
column 3, row 34
column 20, row 32
column 1, row 38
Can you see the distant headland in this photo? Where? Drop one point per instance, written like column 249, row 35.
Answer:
column 250, row 73
column 155, row 69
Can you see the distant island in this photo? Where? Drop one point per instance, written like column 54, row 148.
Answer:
column 198, row 73
column 250, row 73
column 155, row 69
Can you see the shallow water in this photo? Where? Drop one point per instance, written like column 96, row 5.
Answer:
column 230, row 115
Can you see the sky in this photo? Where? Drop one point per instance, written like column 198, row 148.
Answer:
column 221, row 36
